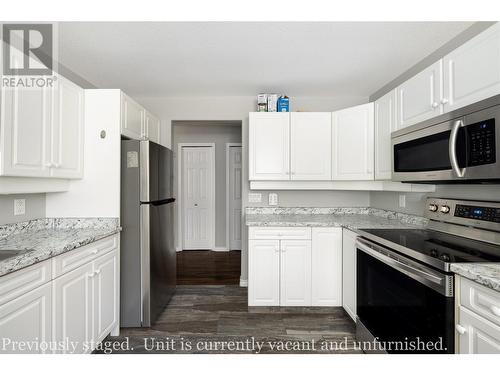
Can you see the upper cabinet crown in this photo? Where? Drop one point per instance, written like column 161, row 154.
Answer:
column 42, row 131
column 137, row 122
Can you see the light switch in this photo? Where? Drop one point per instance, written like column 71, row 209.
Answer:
column 19, row 206
column 254, row 197
column 273, row 199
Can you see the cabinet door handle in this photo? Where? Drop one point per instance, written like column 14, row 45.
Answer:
column 444, row 101
column 49, row 165
column 435, row 105
column 97, row 272
column 56, row 165
column 495, row 310
column 89, row 275
column 461, row 330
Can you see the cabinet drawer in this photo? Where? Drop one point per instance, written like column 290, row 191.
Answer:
column 279, row 233
column 476, row 335
column 480, row 299
column 20, row 282
column 78, row 257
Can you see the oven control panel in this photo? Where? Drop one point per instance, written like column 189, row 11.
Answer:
column 469, row 213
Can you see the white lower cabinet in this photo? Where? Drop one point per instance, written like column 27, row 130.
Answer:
column 75, row 308
column 286, row 271
column 480, row 336
column 349, row 272
column 27, row 320
column 295, row 273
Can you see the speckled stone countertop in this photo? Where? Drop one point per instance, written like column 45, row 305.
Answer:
column 487, row 274
column 46, row 238
column 352, row 218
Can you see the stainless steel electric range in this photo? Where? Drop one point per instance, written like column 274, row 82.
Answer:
column 405, row 290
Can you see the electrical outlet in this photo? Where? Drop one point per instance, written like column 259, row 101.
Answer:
column 254, row 197
column 273, row 199
column 19, row 206
column 402, row 200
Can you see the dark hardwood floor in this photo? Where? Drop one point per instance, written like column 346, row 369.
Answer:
column 205, row 267
column 216, row 319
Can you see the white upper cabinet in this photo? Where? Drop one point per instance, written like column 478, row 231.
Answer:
column 419, row 98
column 472, row 71
column 269, row 146
column 311, row 145
column 67, row 131
column 133, row 118
column 152, row 128
column 25, row 144
column 352, row 143
column 385, row 124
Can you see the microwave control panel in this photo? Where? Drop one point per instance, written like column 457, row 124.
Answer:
column 482, row 143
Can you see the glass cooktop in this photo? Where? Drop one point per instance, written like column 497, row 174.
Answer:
column 438, row 246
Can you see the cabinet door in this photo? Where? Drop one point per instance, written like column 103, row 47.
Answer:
column 472, row 71
column 67, row 130
column 263, row 273
column 476, row 335
column 295, row 278
column 311, row 145
column 385, row 124
column 269, row 146
column 25, row 132
column 132, row 122
column 27, row 319
column 349, row 272
column 352, row 144
column 326, row 267
column 152, row 128
column 105, row 295
column 419, row 98
column 73, row 307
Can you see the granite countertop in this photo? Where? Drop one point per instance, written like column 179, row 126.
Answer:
column 487, row 274
column 46, row 238
column 352, row 218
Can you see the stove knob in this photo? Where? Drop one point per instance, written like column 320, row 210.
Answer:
column 445, row 209
column 434, row 253
column 445, row 257
column 433, row 207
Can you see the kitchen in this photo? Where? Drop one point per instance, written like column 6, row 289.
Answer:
column 354, row 209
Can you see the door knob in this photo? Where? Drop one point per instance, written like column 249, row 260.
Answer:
column 196, row 204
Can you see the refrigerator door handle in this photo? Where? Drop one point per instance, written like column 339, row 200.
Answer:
column 163, row 201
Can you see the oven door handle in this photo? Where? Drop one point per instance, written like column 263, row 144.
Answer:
column 442, row 284
column 452, row 149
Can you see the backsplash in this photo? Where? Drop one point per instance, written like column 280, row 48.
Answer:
column 35, row 208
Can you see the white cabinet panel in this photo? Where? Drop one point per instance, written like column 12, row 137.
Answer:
column 352, row 143
column 480, row 299
column 152, row 128
column 295, row 267
column 477, row 335
column 73, row 307
column 326, row 267
column 67, row 131
column 419, row 98
column 105, row 295
column 278, row 233
column 27, row 319
column 349, row 272
column 132, row 122
column 25, row 132
column 311, row 145
column 269, row 146
column 472, row 71
column 264, row 273
column 385, row 124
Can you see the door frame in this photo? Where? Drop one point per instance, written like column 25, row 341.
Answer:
column 228, row 147
column 180, row 211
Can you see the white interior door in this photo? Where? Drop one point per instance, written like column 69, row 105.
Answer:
column 234, row 202
column 198, row 202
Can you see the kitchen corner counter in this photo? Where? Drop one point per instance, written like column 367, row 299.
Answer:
column 46, row 238
column 351, row 218
column 487, row 274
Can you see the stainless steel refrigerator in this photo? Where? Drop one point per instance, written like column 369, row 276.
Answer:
column 148, row 259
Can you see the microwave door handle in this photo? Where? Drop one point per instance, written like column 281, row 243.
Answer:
column 460, row 172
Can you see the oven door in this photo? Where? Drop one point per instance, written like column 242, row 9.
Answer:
column 407, row 307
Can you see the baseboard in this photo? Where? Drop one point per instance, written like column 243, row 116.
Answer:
column 243, row 282
column 220, row 248
column 178, row 249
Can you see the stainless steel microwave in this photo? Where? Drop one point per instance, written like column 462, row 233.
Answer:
column 462, row 146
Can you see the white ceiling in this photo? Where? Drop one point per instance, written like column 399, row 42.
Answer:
column 218, row 59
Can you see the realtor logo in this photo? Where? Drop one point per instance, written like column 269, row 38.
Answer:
column 28, row 55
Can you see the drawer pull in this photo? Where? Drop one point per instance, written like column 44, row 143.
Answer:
column 95, row 251
column 461, row 330
column 495, row 310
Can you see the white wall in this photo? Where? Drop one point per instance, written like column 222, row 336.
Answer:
column 98, row 193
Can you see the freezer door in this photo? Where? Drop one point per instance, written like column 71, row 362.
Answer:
column 156, row 172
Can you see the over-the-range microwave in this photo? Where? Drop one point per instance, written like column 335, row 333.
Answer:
column 462, row 146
